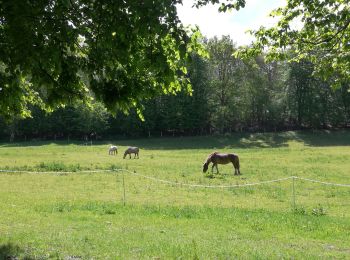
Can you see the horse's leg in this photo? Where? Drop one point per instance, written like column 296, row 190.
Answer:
column 216, row 166
column 234, row 167
column 237, row 166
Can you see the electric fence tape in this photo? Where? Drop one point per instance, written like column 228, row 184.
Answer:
column 179, row 183
column 209, row 186
column 322, row 182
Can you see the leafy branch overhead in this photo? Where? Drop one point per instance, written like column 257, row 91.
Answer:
column 57, row 52
column 323, row 36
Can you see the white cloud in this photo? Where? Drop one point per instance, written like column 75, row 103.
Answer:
column 234, row 23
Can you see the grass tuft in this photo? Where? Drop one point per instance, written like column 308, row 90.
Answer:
column 57, row 167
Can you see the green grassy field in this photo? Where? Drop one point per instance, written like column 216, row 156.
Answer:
column 79, row 215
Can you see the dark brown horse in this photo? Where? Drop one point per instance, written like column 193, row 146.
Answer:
column 222, row 158
column 130, row 150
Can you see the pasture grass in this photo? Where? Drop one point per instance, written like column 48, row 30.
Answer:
column 86, row 216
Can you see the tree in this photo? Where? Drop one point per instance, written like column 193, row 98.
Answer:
column 324, row 38
column 54, row 52
column 312, row 102
column 224, row 82
column 196, row 109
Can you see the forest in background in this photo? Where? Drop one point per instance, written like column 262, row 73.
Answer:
column 229, row 95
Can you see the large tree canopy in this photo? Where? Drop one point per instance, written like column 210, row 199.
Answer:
column 324, row 38
column 55, row 52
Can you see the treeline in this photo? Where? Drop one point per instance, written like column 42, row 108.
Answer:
column 229, row 95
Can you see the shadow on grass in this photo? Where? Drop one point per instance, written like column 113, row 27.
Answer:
column 324, row 137
column 10, row 252
column 246, row 140
column 233, row 141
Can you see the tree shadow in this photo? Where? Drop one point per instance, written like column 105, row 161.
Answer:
column 243, row 140
column 232, row 141
column 246, row 140
column 48, row 142
column 324, row 137
column 10, row 251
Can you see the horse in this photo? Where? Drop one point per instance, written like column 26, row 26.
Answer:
column 131, row 150
column 222, row 158
column 113, row 150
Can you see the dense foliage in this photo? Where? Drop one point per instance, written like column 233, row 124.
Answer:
column 229, row 95
column 58, row 52
column 323, row 37
column 91, row 59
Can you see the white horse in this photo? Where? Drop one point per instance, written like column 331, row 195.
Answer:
column 131, row 150
column 113, row 150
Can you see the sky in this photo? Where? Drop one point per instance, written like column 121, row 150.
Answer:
column 233, row 23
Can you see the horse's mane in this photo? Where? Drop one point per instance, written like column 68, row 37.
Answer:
column 210, row 156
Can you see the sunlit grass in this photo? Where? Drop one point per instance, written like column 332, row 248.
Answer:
column 60, row 215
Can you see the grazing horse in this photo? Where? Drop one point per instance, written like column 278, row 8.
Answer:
column 113, row 150
column 131, row 150
column 222, row 158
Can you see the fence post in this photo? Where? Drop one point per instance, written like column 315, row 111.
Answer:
column 293, row 193
column 123, row 190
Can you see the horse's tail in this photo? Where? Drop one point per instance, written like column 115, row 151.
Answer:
column 235, row 160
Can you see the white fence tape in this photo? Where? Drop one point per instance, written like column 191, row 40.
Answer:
column 322, row 182
column 180, row 183
column 58, row 172
column 209, row 186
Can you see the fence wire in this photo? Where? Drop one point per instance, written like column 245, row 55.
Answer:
column 180, row 183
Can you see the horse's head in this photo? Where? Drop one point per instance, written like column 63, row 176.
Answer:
column 205, row 167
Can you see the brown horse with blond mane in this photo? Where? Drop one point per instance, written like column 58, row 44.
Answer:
column 222, row 158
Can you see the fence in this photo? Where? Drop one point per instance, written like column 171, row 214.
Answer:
column 191, row 185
